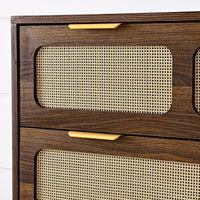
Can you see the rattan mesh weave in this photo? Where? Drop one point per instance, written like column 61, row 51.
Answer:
column 73, row 175
column 197, row 82
column 105, row 78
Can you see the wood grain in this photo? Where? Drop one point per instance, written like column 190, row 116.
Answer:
column 178, row 31
column 180, row 122
column 26, row 191
column 33, row 140
column 15, row 113
column 139, row 17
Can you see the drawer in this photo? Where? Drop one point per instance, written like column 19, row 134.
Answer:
column 138, row 79
column 56, row 166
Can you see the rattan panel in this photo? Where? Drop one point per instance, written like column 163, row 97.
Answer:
column 197, row 82
column 72, row 175
column 105, row 78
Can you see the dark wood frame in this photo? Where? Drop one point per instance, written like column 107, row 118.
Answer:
column 133, row 18
column 189, row 146
column 15, row 111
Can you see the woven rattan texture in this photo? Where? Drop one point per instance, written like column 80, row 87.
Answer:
column 105, row 78
column 72, row 175
column 197, row 82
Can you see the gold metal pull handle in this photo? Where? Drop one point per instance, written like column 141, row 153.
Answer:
column 99, row 136
column 94, row 26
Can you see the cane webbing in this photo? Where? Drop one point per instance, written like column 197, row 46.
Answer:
column 64, row 175
column 105, row 78
column 197, row 82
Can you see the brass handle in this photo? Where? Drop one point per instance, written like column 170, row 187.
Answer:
column 99, row 136
column 94, row 26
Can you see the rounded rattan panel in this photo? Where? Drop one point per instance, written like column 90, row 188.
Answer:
column 73, row 175
column 197, row 82
column 105, row 78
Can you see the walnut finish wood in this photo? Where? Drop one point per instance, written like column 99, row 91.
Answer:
column 180, row 122
column 139, row 17
column 26, row 191
column 33, row 140
column 181, row 36
column 15, row 103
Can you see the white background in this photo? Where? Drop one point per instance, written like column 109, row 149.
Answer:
column 47, row 7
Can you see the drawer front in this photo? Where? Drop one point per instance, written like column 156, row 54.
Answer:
column 56, row 166
column 136, row 79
